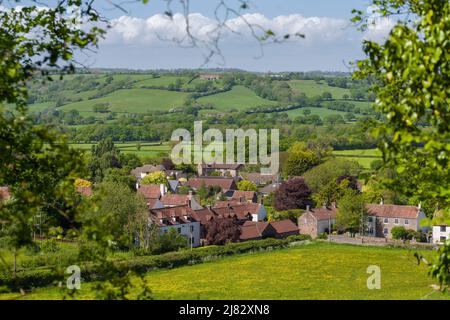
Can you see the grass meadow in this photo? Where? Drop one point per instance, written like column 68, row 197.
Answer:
column 316, row 271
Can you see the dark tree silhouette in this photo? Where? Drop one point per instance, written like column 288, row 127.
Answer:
column 221, row 231
column 168, row 164
column 293, row 194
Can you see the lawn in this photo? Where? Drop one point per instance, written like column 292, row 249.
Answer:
column 132, row 100
column 239, row 98
column 315, row 271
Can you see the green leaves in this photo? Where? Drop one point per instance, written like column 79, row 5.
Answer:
column 412, row 70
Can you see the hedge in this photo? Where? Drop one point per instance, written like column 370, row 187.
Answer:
column 141, row 264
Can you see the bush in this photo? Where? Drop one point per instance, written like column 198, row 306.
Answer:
column 399, row 233
column 49, row 246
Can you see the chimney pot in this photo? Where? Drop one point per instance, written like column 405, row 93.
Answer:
column 307, row 207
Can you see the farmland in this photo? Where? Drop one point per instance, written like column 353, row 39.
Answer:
column 312, row 88
column 239, row 98
column 363, row 156
column 147, row 149
column 314, row 271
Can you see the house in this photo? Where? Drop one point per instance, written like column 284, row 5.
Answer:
column 383, row 217
column 173, row 200
column 224, row 183
column 284, row 228
column 179, row 218
column 270, row 188
column 441, row 233
column 260, row 179
column 152, row 191
column 253, row 230
column 318, row 220
column 242, row 196
column 85, row 191
column 210, row 76
column 141, row 172
column 230, row 170
column 243, row 211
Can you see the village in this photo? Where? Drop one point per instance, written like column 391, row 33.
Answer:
column 168, row 208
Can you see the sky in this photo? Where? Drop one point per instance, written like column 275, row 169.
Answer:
column 143, row 37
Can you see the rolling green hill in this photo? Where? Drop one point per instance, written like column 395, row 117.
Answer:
column 311, row 88
column 239, row 98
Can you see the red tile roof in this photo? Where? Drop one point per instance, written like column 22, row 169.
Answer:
column 253, row 230
column 246, row 195
column 224, row 183
column 219, row 166
column 240, row 210
column 85, row 191
column 175, row 199
column 284, row 226
column 4, row 193
column 172, row 215
column 150, row 191
column 324, row 213
column 393, row 211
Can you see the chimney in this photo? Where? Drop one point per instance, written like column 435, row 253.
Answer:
column 307, row 207
column 190, row 195
column 333, row 204
column 162, row 189
column 381, row 201
column 325, row 205
column 419, row 205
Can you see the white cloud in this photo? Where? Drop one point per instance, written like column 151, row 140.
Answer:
column 160, row 27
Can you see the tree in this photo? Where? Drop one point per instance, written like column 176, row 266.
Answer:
column 329, row 171
column 119, row 210
column 399, row 233
column 352, row 213
column 327, row 95
column 168, row 164
column 292, row 194
column 169, row 241
column 306, row 112
column 157, row 177
column 104, row 155
column 300, row 160
column 246, row 185
column 221, row 231
column 411, row 77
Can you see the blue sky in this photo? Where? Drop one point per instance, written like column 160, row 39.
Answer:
column 143, row 38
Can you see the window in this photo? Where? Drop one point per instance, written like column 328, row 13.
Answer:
column 192, row 228
column 443, row 228
column 396, row 220
column 386, row 220
column 179, row 230
column 370, row 219
column 406, row 221
column 385, row 231
column 443, row 239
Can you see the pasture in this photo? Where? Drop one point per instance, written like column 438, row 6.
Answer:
column 315, row 271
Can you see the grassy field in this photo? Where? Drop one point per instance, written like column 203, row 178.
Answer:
column 315, row 271
column 239, row 98
column 363, row 156
column 133, row 101
column 148, row 149
column 311, row 88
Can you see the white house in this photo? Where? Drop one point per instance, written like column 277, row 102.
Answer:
column 441, row 233
column 179, row 218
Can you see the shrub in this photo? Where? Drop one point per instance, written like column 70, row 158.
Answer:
column 399, row 233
